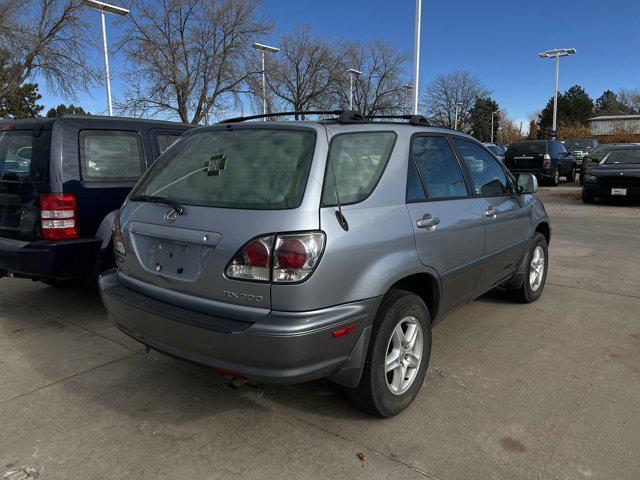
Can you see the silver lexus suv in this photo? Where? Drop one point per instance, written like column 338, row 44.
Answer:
column 285, row 251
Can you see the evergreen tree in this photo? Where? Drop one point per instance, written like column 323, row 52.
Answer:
column 480, row 119
column 62, row 110
column 21, row 102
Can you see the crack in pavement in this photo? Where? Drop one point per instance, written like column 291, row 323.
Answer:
column 60, row 380
column 64, row 320
column 593, row 290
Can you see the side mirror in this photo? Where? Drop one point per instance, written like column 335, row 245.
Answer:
column 526, row 183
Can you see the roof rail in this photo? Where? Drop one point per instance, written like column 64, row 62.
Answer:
column 344, row 116
column 413, row 119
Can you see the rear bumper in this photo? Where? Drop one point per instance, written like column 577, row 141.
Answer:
column 538, row 172
column 604, row 190
column 288, row 347
column 59, row 259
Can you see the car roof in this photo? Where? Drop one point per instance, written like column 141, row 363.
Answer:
column 336, row 127
column 91, row 119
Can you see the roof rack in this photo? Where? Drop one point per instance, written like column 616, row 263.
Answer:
column 343, row 116
column 413, row 119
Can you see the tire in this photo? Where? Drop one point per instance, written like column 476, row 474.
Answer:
column 586, row 198
column 571, row 176
column 374, row 392
column 531, row 291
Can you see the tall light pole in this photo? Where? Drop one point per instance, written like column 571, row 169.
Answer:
column 556, row 53
column 264, row 49
column 455, row 122
column 353, row 73
column 406, row 87
column 416, row 55
column 106, row 7
column 492, row 114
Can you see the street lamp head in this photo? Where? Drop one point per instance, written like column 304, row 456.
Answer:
column 265, row 48
column 557, row 52
column 355, row 72
column 106, row 7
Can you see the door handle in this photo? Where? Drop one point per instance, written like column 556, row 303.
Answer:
column 428, row 221
column 490, row 212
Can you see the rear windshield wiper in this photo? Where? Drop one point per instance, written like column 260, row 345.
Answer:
column 157, row 199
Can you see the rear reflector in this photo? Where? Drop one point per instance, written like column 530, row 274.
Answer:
column 58, row 216
column 343, row 331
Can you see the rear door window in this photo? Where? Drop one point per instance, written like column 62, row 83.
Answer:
column 165, row 140
column 438, row 168
column 111, row 156
column 358, row 160
column 16, row 147
column 248, row 168
column 487, row 176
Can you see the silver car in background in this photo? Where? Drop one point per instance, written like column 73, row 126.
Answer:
column 288, row 251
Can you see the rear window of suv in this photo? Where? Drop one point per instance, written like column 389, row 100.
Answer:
column 248, row 168
column 527, row 148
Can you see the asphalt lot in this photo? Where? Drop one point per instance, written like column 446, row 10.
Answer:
column 547, row 390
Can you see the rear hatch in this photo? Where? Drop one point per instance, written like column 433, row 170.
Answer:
column 232, row 185
column 24, row 156
column 526, row 155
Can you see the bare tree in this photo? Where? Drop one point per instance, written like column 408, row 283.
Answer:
column 303, row 73
column 446, row 91
column 379, row 89
column 189, row 58
column 46, row 37
column 630, row 99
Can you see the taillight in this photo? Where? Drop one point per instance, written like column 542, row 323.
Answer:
column 58, row 215
column 283, row 258
column 116, row 235
column 546, row 160
column 296, row 255
column 252, row 262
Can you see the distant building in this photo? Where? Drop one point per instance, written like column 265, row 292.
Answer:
column 614, row 125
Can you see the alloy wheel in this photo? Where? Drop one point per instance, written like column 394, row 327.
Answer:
column 403, row 355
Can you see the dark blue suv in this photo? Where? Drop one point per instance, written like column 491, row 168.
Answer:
column 61, row 181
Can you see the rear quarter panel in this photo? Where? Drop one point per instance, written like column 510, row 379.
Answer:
column 378, row 249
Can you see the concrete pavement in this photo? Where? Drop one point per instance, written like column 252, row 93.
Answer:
column 548, row 390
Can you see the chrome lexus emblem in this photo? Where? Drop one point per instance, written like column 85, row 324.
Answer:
column 170, row 216
column 621, row 173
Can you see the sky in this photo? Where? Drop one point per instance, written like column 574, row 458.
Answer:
column 496, row 40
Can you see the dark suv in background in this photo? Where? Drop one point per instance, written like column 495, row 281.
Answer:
column 546, row 159
column 61, row 181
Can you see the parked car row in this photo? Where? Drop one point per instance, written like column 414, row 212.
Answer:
column 277, row 251
column 616, row 176
column 548, row 160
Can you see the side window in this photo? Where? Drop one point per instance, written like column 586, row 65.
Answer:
column 415, row 190
column 111, row 156
column 358, row 162
column 165, row 140
column 438, row 167
column 562, row 150
column 487, row 175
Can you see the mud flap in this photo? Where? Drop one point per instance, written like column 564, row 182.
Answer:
column 350, row 373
